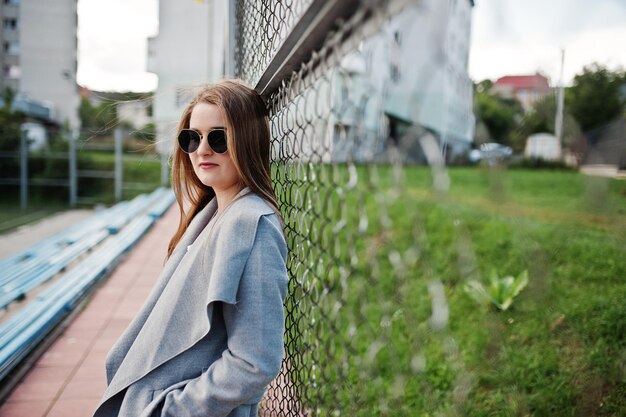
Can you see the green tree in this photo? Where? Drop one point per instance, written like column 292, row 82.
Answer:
column 498, row 117
column 595, row 97
column 541, row 119
column 98, row 119
column 10, row 122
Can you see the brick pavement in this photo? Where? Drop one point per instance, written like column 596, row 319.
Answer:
column 69, row 378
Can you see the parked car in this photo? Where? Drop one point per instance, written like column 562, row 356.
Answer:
column 492, row 153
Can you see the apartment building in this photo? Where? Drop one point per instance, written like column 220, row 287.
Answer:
column 527, row 89
column 411, row 76
column 187, row 52
column 38, row 56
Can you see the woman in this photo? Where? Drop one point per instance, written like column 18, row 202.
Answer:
column 209, row 338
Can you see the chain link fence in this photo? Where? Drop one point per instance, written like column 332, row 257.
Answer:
column 363, row 298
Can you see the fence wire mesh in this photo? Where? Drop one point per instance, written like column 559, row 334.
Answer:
column 363, row 296
column 386, row 263
column 262, row 26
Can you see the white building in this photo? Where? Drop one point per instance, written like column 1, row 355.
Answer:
column 419, row 65
column 409, row 78
column 38, row 54
column 543, row 146
column 134, row 113
column 187, row 52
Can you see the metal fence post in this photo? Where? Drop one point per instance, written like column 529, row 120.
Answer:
column 118, row 164
column 24, row 169
column 164, row 170
column 72, row 167
column 229, row 51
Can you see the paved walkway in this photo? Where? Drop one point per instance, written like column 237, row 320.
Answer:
column 69, row 379
column 604, row 170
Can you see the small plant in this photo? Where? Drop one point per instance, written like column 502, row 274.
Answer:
column 500, row 292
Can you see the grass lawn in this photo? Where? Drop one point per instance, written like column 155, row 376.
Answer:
column 379, row 323
column 12, row 218
column 141, row 174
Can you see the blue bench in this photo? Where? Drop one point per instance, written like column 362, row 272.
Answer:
column 21, row 333
column 47, row 260
column 51, row 245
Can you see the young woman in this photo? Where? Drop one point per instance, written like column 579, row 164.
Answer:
column 209, row 338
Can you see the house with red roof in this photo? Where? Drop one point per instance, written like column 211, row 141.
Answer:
column 527, row 89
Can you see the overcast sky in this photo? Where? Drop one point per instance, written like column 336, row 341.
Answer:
column 508, row 37
column 112, row 44
column 520, row 37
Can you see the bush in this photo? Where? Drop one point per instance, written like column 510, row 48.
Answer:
column 539, row 163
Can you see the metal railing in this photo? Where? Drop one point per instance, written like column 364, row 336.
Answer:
column 78, row 171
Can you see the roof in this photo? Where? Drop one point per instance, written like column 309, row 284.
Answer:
column 518, row 82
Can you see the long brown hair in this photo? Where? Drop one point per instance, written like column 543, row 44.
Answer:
column 248, row 143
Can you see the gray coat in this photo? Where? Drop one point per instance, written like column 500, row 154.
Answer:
column 209, row 338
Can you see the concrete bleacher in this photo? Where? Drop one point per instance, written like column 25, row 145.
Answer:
column 86, row 252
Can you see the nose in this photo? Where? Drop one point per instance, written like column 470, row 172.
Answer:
column 204, row 148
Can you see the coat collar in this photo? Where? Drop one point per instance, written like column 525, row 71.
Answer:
column 197, row 225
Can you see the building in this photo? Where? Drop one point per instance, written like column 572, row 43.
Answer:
column 417, row 65
column 39, row 55
column 527, row 89
column 187, row 52
column 410, row 73
column 134, row 113
column 543, row 146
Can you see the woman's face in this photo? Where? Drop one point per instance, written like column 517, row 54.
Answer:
column 213, row 169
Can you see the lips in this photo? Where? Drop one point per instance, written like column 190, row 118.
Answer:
column 207, row 165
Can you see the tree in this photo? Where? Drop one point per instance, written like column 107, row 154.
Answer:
column 100, row 119
column 595, row 98
column 10, row 122
column 499, row 115
column 541, row 119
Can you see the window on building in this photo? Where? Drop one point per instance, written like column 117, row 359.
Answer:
column 10, row 23
column 394, row 70
column 394, row 74
column 13, row 71
column 397, row 37
column 12, row 48
column 11, row 1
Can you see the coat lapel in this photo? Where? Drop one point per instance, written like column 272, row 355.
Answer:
column 119, row 351
column 185, row 291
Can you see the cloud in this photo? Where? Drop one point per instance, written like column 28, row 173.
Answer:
column 112, row 44
column 508, row 37
column 512, row 37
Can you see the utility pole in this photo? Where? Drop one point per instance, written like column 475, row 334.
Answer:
column 231, row 26
column 558, row 123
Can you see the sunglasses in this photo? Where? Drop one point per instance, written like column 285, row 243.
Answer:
column 189, row 140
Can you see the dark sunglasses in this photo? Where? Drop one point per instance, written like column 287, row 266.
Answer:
column 189, row 140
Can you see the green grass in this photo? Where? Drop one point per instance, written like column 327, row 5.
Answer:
column 360, row 333
column 141, row 174
column 138, row 168
column 12, row 218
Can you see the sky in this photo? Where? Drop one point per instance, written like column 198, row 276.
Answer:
column 509, row 37
column 112, row 44
column 513, row 37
